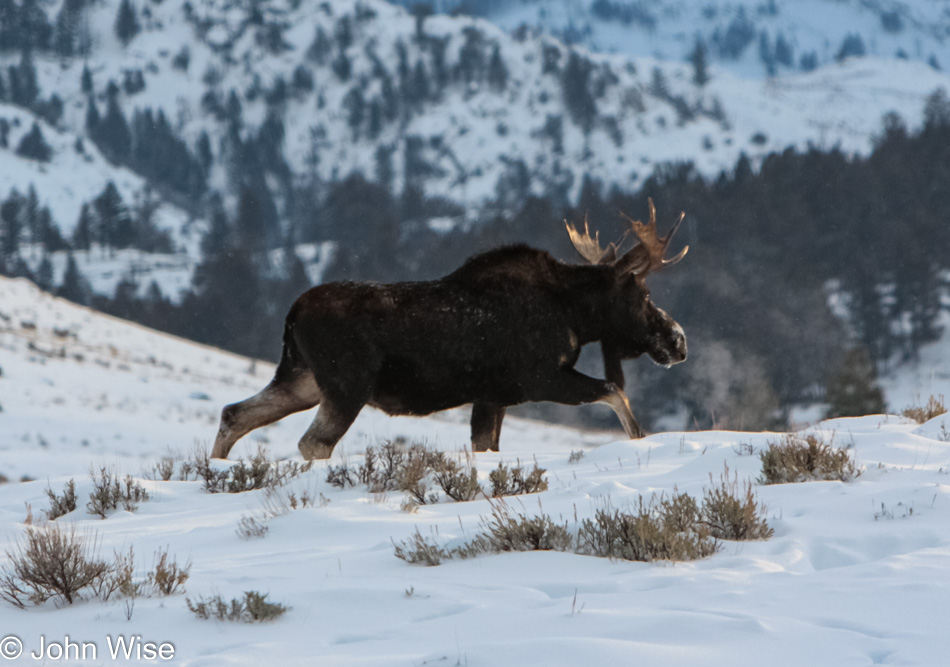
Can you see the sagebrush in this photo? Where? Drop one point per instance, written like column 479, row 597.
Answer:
column 61, row 505
column 109, row 492
column 805, row 459
column 674, row 528
column 54, row 562
column 253, row 607
column 418, row 471
column 934, row 408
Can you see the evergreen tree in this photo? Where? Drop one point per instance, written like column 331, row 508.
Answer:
column 421, row 11
column 11, row 219
column 497, row 72
column 342, row 66
column 471, row 63
column 218, row 237
column 851, row 47
column 205, row 156
column 659, row 86
column 251, row 222
column 700, row 66
column 125, row 302
column 320, row 48
column 34, row 146
column 384, row 167
column 234, row 112
column 126, row 23
column 50, row 235
column 784, row 53
column 419, row 86
column 31, row 215
column 74, row 286
column 575, row 86
column 35, row 30
column 114, row 221
column 44, row 273
column 92, row 118
column 85, row 232
column 24, row 89
column 9, row 26
column 355, row 107
column 67, row 29
column 227, row 287
column 852, row 390
column 112, row 134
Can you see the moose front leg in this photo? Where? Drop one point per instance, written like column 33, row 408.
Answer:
column 486, row 426
column 572, row 387
column 613, row 370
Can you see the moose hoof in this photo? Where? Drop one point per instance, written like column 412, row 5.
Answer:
column 315, row 451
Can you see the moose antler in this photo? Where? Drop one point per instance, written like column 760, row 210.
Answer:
column 647, row 255
column 589, row 247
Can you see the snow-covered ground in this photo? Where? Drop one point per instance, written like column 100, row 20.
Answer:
column 856, row 573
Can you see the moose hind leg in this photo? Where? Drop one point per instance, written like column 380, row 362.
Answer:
column 486, row 426
column 331, row 423
column 283, row 396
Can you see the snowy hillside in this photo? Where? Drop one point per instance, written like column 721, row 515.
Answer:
column 752, row 38
column 855, row 573
column 76, row 386
column 454, row 106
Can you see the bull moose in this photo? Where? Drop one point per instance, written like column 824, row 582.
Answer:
column 503, row 329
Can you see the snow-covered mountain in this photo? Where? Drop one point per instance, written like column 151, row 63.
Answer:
column 855, row 573
column 752, row 38
column 453, row 105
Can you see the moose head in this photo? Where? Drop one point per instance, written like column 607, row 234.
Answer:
column 637, row 326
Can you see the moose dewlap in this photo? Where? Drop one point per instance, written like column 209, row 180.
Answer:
column 503, row 329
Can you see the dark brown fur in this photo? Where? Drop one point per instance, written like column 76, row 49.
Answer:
column 505, row 328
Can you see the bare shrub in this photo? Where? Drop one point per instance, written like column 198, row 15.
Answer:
column 381, row 470
column 664, row 529
column 252, row 608
column 121, row 579
column 341, row 476
column 507, row 481
column 61, row 505
column 250, row 527
column 163, row 470
column 167, row 577
column 505, row 530
column 575, row 456
column 459, row 482
column 279, row 501
column 934, row 408
column 415, row 469
column 805, row 459
column 419, row 549
column 246, row 475
column 731, row 511
column 53, row 562
column 413, row 476
column 109, row 492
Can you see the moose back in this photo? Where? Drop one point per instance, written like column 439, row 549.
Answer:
column 505, row 328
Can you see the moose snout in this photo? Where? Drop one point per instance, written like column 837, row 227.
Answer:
column 679, row 347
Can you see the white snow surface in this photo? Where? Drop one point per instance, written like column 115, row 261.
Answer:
column 856, row 573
